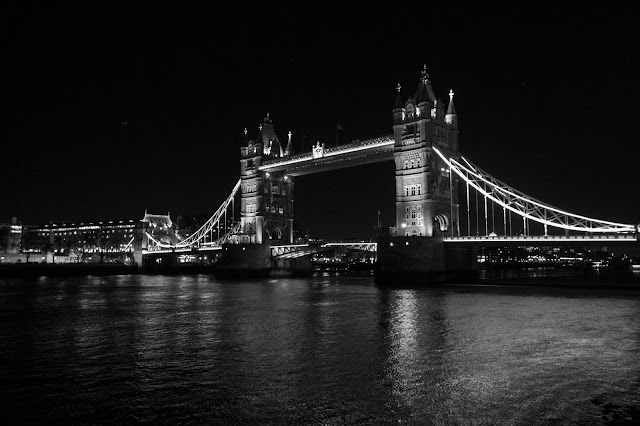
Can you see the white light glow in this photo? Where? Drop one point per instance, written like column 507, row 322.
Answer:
column 459, row 168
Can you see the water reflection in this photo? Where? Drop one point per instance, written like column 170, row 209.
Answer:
column 417, row 349
column 329, row 350
column 510, row 347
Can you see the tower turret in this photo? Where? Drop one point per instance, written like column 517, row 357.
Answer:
column 269, row 139
column 398, row 107
column 289, row 149
column 424, row 96
column 451, row 118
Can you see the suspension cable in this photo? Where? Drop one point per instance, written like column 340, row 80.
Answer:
column 527, row 206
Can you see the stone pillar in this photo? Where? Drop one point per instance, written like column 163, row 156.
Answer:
column 290, row 229
column 140, row 242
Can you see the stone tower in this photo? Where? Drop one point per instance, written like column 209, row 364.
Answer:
column 426, row 194
column 267, row 198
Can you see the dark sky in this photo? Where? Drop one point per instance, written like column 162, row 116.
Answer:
column 113, row 110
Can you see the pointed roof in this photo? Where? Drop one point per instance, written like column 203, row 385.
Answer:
column 269, row 138
column 398, row 104
column 289, row 149
column 424, row 92
column 451, row 109
column 159, row 220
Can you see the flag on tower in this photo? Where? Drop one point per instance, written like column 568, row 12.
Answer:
column 338, row 126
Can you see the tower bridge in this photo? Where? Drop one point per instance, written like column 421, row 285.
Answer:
column 433, row 185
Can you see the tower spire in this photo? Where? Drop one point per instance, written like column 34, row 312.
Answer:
column 451, row 118
column 398, row 103
column 451, row 109
column 424, row 92
column 398, row 107
column 289, row 149
column 424, row 74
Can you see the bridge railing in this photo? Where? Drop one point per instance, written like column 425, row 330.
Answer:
column 598, row 237
column 327, row 152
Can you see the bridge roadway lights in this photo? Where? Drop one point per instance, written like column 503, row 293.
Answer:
column 419, row 261
column 240, row 261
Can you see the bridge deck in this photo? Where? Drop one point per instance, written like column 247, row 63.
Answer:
column 625, row 239
column 321, row 159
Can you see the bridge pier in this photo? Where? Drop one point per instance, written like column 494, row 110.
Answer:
column 299, row 266
column 139, row 244
column 247, row 260
column 410, row 260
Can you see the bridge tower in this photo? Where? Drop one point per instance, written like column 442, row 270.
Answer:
column 266, row 197
column 427, row 208
column 426, row 194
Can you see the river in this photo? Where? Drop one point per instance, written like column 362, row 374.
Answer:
column 321, row 350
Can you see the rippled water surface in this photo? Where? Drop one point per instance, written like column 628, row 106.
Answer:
column 321, row 350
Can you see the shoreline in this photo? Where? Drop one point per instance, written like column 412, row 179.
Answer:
column 613, row 279
column 29, row 270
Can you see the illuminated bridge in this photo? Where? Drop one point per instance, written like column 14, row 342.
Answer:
column 442, row 199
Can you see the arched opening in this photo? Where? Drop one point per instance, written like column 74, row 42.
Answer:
column 441, row 222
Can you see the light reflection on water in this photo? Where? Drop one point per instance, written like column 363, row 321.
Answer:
column 325, row 349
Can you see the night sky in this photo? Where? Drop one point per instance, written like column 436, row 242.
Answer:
column 113, row 110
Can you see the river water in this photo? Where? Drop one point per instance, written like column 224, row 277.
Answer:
column 320, row 350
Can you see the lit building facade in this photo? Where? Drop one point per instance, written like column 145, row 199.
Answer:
column 426, row 194
column 88, row 237
column 11, row 236
column 266, row 197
